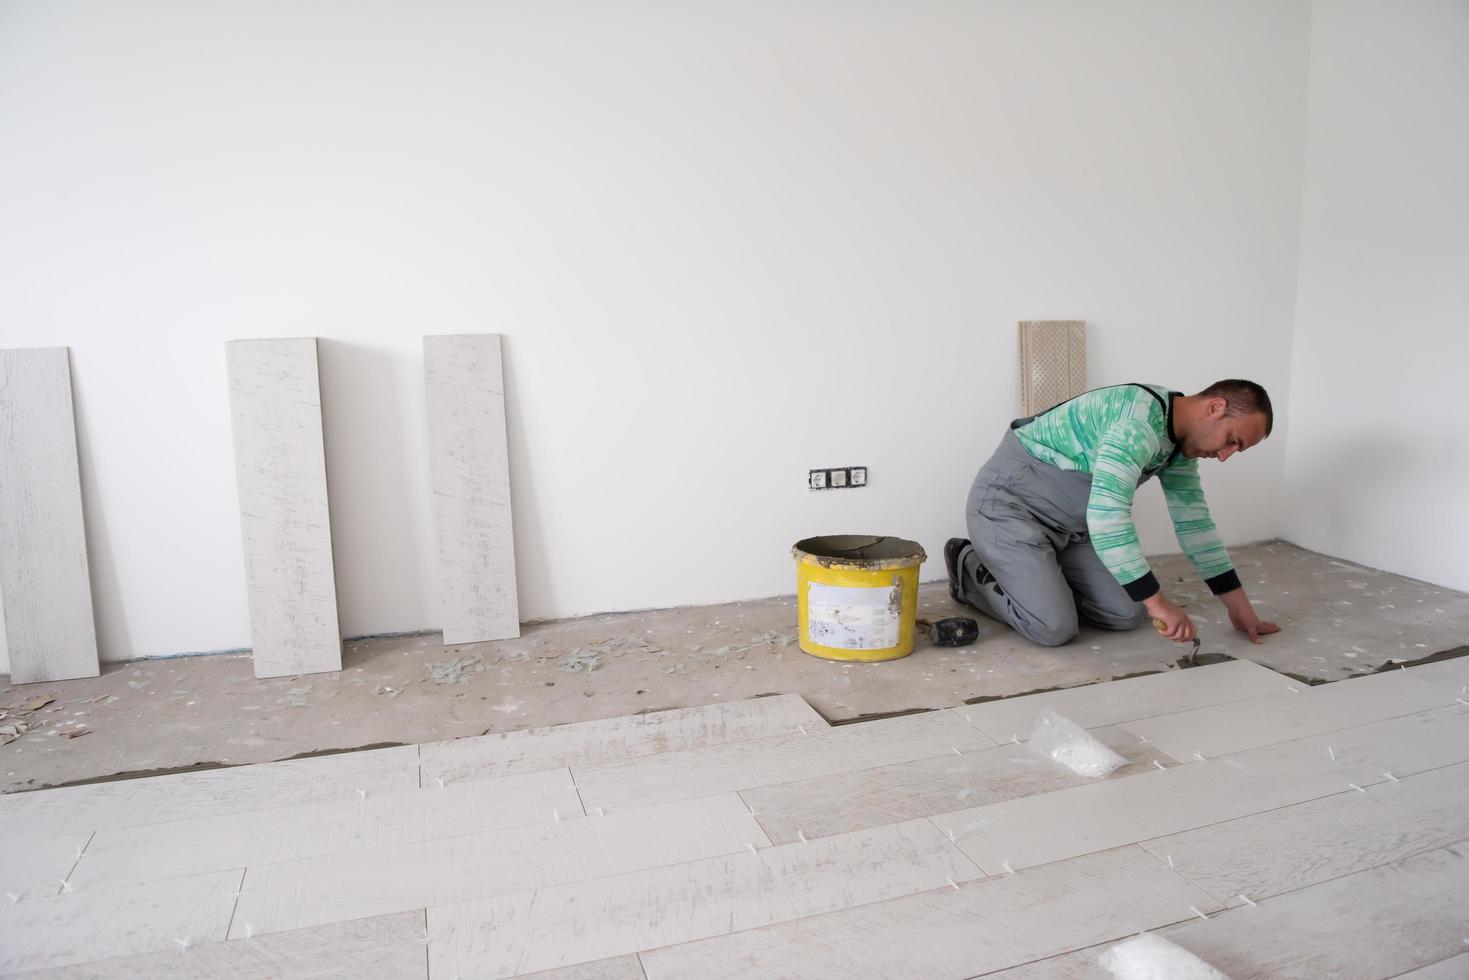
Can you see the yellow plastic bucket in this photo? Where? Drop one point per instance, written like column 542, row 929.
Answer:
column 857, row 596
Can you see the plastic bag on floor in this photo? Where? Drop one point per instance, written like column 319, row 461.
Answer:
column 1065, row 742
column 1149, row 957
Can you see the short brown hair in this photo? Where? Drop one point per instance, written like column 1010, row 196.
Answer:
column 1243, row 397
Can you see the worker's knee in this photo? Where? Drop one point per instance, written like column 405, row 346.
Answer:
column 1051, row 632
column 1129, row 620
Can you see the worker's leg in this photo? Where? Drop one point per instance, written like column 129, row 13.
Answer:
column 1010, row 572
column 1009, row 569
column 1100, row 599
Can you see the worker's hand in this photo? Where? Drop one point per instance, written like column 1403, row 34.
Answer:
column 1242, row 615
column 1176, row 625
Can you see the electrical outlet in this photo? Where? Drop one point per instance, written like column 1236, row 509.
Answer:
column 837, row 478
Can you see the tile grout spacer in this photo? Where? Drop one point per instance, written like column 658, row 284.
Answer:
column 1392, row 777
column 802, row 834
column 183, row 943
column 1006, row 865
column 1200, row 756
column 1201, row 915
column 1356, row 787
column 750, row 846
column 1331, row 752
column 1159, row 764
column 954, row 884
column 1248, row 902
column 13, row 897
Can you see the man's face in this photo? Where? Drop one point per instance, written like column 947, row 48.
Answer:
column 1220, row 436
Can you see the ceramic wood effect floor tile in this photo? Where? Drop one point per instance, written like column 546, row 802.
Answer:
column 1128, row 699
column 1241, row 725
column 616, row 740
column 614, row 916
column 76, row 927
column 849, row 801
column 388, row 947
column 1286, row 849
column 953, row 933
column 1375, row 923
column 338, row 887
column 132, row 802
column 766, row 762
column 1066, row 823
column 307, row 830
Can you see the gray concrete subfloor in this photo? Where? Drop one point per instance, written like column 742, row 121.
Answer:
column 1338, row 620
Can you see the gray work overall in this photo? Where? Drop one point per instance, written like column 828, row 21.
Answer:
column 1027, row 527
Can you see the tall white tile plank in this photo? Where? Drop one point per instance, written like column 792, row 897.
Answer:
column 953, row 933
column 157, row 799
column 76, row 927
column 1375, row 923
column 45, row 586
column 849, row 801
column 470, row 468
column 280, row 469
column 609, row 741
column 1241, row 725
column 388, row 947
column 607, row 917
column 349, row 824
column 1270, row 853
column 765, row 762
column 1053, row 826
column 1129, row 699
column 354, row 885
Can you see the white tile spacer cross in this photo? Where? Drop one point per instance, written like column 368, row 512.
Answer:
column 1247, row 901
column 956, row 751
column 1195, row 911
column 953, row 884
column 750, row 846
column 1356, row 787
column 13, row 897
column 1170, row 860
column 1331, row 752
column 1006, row 865
column 440, row 781
column 1391, row 776
column 802, row 834
column 1159, row 764
column 600, row 812
column 1200, row 756
column 183, row 943
column 65, row 885
column 362, row 793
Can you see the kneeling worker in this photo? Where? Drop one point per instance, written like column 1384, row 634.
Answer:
column 1051, row 536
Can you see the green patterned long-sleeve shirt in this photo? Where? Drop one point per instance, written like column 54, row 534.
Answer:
column 1122, row 435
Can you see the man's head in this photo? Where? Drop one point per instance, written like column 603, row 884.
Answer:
column 1225, row 418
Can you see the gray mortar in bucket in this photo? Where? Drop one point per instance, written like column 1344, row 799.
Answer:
column 860, row 551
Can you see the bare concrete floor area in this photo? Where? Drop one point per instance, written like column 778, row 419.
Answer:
column 1338, row 620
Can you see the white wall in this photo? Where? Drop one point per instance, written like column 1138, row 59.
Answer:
column 1379, row 460
column 726, row 242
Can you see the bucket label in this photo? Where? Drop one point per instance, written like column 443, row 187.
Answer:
column 854, row 618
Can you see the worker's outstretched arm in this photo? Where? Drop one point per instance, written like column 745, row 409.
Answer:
column 1125, row 449
column 1200, row 540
